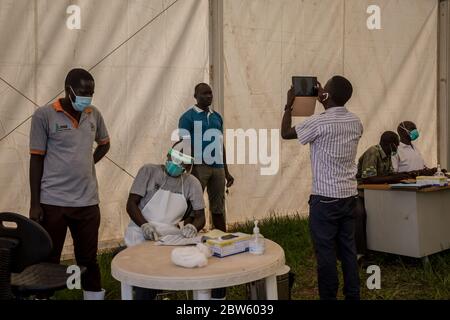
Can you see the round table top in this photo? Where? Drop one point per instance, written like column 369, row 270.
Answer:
column 148, row 265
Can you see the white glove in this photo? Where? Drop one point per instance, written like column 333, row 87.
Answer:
column 189, row 231
column 149, row 232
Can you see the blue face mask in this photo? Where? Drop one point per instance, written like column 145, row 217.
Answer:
column 80, row 103
column 174, row 169
column 414, row 134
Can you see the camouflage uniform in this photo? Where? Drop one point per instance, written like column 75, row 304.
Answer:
column 374, row 162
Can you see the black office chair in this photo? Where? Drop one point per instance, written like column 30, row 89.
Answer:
column 24, row 245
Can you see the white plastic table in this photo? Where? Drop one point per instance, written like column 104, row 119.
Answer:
column 149, row 266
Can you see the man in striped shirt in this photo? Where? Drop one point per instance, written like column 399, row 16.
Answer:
column 333, row 137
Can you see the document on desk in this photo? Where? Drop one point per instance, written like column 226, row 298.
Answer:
column 405, row 185
column 178, row 240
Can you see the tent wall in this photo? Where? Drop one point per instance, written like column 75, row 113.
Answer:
column 141, row 89
column 144, row 86
column 393, row 71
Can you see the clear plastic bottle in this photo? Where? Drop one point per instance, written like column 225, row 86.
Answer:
column 439, row 172
column 257, row 245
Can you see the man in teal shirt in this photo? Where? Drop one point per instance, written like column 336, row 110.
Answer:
column 204, row 127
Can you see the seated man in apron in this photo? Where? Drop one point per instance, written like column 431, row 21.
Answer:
column 158, row 202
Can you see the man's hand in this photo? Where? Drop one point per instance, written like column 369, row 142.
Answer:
column 149, row 232
column 189, row 231
column 36, row 213
column 322, row 94
column 229, row 178
column 290, row 98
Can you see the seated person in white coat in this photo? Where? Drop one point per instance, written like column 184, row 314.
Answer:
column 158, row 202
column 159, row 198
column 408, row 157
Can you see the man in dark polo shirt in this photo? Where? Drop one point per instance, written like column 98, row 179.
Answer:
column 63, row 183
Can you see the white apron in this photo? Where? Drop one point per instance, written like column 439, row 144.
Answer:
column 164, row 210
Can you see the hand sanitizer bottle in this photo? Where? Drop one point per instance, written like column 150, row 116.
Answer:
column 256, row 245
column 439, row 172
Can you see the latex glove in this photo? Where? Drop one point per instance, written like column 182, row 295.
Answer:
column 189, row 231
column 149, row 232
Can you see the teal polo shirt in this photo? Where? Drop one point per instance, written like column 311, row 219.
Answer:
column 197, row 122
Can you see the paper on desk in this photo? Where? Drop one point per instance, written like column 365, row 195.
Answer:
column 178, row 240
column 405, row 185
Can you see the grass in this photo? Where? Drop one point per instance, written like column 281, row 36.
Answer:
column 401, row 277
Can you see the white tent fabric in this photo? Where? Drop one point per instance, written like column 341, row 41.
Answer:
column 145, row 85
column 393, row 71
column 141, row 89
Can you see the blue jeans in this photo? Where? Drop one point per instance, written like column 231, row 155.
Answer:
column 332, row 229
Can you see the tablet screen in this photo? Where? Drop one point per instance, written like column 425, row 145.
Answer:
column 305, row 86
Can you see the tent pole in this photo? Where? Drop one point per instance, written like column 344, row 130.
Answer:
column 216, row 53
column 444, row 84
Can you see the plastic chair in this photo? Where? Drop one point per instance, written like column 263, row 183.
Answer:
column 24, row 246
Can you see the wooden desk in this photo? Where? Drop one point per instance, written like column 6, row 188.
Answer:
column 407, row 221
column 150, row 266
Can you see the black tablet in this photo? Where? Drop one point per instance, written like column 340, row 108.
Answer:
column 305, row 86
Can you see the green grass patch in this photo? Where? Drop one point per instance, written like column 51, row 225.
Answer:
column 401, row 277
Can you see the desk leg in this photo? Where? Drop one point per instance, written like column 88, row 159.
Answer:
column 202, row 294
column 127, row 291
column 271, row 288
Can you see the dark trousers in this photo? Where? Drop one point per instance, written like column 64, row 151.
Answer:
column 145, row 294
column 83, row 223
column 213, row 179
column 360, row 226
column 332, row 228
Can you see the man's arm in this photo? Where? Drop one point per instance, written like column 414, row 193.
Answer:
column 133, row 209
column 287, row 131
column 101, row 151
column 36, row 171
column 228, row 176
column 395, row 178
column 198, row 220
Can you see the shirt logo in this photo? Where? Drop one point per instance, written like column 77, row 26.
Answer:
column 62, row 127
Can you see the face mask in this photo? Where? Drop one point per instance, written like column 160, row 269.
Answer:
column 174, row 169
column 80, row 103
column 413, row 134
column 393, row 153
column 323, row 99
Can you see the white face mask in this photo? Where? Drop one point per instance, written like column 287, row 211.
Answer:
column 327, row 95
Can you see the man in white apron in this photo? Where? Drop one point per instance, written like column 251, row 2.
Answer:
column 158, row 202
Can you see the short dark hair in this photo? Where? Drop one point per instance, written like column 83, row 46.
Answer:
column 201, row 84
column 341, row 90
column 389, row 137
column 75, row 76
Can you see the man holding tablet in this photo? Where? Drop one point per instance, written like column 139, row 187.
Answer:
column 333, row 137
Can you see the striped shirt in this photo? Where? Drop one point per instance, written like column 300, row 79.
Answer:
column 333, row 137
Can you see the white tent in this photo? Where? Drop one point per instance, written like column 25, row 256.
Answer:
column 147, row 55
